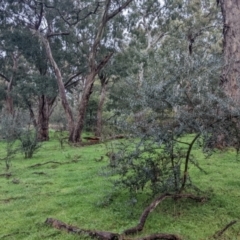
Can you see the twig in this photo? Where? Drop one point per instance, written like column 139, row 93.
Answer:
column 6, row 200
column 220, row 232
column 39, row 173
column 11, row 234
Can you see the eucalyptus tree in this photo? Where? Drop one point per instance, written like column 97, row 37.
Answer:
column 231, row 33
column 91, row 31
column 189, row 24
column 25, row 69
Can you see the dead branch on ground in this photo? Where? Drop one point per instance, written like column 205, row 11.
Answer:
column 72, row 229
column 102, row 235
column 7, row 175
column 139, row 227
column 39, row 173
column 53, row 162
column 6, row 200
column 220, row 232
column 134, row 230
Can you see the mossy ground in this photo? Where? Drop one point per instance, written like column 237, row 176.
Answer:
column 75, row 192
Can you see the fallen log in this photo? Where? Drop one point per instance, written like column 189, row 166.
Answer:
column 102, row 235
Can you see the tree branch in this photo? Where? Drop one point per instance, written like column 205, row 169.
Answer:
column 104, row 62
column 66, row 84
column 6, row 78
column 40, row 17
column 57, row 34
column 78, row 13
column 152, row 206
column 219, row 233
column 114, row 13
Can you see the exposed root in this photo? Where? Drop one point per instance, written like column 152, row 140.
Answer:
column 220, row 232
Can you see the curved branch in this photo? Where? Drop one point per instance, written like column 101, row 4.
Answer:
column 153, row 205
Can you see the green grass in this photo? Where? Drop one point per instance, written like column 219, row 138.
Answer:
column 78, row 194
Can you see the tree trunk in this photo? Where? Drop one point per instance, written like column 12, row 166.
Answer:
column 83, row 107
column 231, row 33
column 61, row 88
column 43, row 118
column 9, row 99
column 104, row 82
column 32, row 115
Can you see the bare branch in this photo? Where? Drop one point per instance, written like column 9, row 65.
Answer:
column 57, row 34
column 104, row 62
column 66, row 84
column 118, row 10
column 40, row 17
column 219, row 233
column 5, row 77
column 77, row 13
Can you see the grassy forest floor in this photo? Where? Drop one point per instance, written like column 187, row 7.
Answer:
column 71, row 187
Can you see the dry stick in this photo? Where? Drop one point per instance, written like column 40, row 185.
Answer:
column 11, row 234
column 6, row 200
column 40, row 164
column 219, row 233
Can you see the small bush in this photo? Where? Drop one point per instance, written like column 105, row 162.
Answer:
column 29, row 143
column 17, row 132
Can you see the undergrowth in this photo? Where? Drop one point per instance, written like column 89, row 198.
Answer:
column 72, row 189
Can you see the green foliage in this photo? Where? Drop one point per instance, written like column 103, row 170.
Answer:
column 171, row 91
column 75, row 193
column 29, row 142
column 17, row 133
